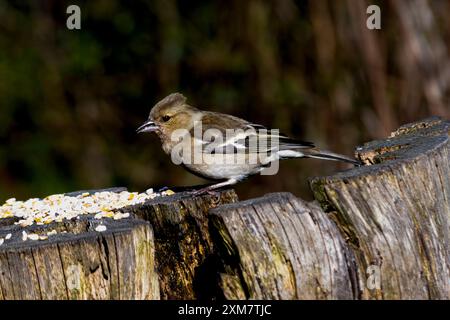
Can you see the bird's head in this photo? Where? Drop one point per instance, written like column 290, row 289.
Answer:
column 169, row 114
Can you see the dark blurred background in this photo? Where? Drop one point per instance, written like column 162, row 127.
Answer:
column 70, row 101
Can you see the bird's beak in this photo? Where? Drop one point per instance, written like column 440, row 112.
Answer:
column 148, row 126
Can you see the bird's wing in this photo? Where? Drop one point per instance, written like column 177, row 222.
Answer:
column 222, row 133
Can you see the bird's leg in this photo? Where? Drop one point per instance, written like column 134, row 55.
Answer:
column 210, row 189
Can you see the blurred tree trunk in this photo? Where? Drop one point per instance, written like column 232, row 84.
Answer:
column 426, row 52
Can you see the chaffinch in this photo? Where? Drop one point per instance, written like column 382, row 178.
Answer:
column 223, row 147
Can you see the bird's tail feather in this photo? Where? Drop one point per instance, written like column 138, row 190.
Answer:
column 328, row 155
column 289, row 150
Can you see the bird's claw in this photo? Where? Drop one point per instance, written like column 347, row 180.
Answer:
column 204, row 191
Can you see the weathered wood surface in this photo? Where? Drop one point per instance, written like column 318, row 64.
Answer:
column 182, row 240
column 386, row 222
column 80, row 263
column 159, row 252
column 396, row 212
column 282, row 248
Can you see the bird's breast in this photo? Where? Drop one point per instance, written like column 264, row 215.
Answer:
column 219, row 167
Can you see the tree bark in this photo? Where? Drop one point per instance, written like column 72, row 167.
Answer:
column 280, row 247
column 381, row 231
column 79, row 262
column 183, row 243
column 132, row 259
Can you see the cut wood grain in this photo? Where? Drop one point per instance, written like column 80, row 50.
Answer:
column 381, row 231
column 283, row 248
column 396, row 212
column 161, row 251
column 79, row 262
column 182, row 239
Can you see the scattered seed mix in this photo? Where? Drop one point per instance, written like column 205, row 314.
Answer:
column 59, row 207
column 100, row 228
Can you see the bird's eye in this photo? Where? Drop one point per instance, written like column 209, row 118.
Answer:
column 166, row 118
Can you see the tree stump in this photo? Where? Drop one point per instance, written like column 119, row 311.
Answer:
column 79, row 262
column 381, row 231
column 280, row 247
column 182, row 240
column 161, row 251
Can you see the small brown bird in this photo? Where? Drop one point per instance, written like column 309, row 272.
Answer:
column 222, row 147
